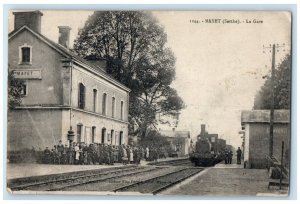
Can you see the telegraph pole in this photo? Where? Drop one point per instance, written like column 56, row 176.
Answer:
column 272, row 102
column 273, row 47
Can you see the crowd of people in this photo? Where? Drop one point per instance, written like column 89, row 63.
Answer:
column 95, row 153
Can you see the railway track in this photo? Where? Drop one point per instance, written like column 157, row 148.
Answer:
column 143, row 179
column 159, row 183
column 179, row 162
column 60, row 182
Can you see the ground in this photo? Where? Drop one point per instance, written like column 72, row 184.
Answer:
column 227, row 180
column 220, row 180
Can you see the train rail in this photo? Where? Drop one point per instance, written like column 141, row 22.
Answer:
column 74, row 178
column 159, row 183
column 131, row 178
column 177, row 162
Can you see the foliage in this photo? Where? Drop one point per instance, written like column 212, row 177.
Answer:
column 282, row 85
column 155, row 140
column 134, row 45
column 15, row 87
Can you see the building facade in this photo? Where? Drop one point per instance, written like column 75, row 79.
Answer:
column 180, row 141
column 256, row 124
column 61, row 91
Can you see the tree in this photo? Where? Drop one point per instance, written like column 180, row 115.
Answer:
column 157, row 141
column 15, row 91
column 282, row 85
column 134, row 45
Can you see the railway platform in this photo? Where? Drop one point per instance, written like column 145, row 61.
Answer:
column 26, row 169
column 227, row 180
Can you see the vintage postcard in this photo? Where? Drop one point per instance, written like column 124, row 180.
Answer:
column 149, row 102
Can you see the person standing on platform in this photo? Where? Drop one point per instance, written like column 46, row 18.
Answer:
column 155, row 154
column 60, row 150
column 47, row 156
column 147, row 154
column 85, row 154
column 230, row 155
column 128, row 154
column 90, row 154
column 124, row 155
column 239, row 155
column 77, row 153
column 71, row 154
column 131, row 155
column 111, row 155
column 65, row 155
column 101, row 154
column 226, row 156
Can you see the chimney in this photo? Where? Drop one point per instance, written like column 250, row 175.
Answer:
column 203, row 128
column 32, row 19
column 64, row 36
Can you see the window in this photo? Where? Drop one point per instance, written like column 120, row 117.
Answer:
column 103, row 135
column 81, row 96
column 93, row 134
column 122, row 110
column 113, row 104
column 24, row 90
column 94, row 100
column 121, row 138
column 104, row 104
column 25, row 54
column 112, row 136
column 79, row 131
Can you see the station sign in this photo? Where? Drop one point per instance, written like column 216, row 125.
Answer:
column 27, row 73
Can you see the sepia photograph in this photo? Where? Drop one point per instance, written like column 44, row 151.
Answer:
column 148, row 102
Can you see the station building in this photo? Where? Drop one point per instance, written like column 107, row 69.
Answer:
column 256, row 126
column 61, row 91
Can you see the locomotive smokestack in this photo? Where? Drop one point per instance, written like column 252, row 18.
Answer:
column 203, row 128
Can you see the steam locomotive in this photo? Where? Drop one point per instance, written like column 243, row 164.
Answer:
column 209, row 149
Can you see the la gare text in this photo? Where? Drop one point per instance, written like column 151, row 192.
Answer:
column 225, row 21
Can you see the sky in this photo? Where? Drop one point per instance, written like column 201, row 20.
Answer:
column 219, row 67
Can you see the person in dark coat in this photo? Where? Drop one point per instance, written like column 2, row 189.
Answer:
column 111, row 155
column 85, row 154
column 90, row 155
column 64, row 159
column 101, row 154
column 128, row 154
column 230, row 155
column 124, row 155
column 226, row 154
column 60, row 150
column 47, row 156
column 71, row 154
column 155, row 154
column 137, row 155
column 54, row 156
column 238, row 155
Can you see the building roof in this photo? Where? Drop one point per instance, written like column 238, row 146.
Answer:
column 69, row 54
column 263, row 116
column 171, row 133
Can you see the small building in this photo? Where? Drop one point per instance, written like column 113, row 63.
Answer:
column 61, row 91
column 256, row 124
column 180, row 141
